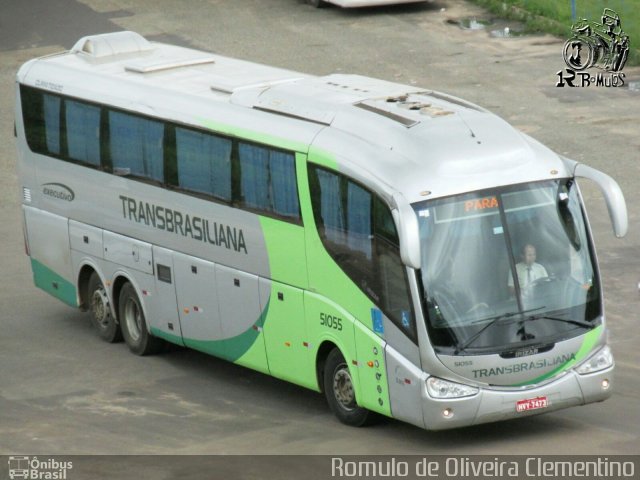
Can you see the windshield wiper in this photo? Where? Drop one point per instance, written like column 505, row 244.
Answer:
column 580, row 323
column 470, row 340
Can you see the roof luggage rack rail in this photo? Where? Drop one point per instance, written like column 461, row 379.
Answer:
column 157, row 65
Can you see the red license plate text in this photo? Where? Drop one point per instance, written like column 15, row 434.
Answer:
column 531, row 404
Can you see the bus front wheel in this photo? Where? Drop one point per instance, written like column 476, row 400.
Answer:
column 134, row 324
column 338, row 388
column 100, row 310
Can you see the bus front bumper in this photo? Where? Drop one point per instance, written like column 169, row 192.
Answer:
column 495, row 404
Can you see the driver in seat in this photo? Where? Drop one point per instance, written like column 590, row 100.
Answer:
column 528, row 270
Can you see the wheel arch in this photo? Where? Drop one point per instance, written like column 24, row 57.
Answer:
column 321, row 358
column 325, row 347
column 87, row 268
column 119, row 281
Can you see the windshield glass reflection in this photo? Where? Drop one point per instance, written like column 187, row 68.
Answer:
column 509, row 256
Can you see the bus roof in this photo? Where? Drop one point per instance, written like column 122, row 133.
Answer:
column 393, row 137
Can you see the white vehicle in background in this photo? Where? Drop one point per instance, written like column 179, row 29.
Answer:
column 358, row 3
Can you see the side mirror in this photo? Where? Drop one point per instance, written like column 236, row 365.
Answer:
column 612, row 195
column 408, row 231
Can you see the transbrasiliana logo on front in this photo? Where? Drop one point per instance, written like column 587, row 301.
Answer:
column 23, row 467
column 603, row 45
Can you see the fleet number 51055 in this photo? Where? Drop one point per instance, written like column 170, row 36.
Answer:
column 331, row 321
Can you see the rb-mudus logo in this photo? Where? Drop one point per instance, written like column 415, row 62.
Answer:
column 601, row 45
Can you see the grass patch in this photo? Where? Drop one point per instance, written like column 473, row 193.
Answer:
column 554, row 16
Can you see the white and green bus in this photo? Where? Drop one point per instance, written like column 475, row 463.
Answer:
column 403, row 251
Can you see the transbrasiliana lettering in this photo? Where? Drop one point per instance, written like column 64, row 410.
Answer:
column 523, row 367
column 191, row 226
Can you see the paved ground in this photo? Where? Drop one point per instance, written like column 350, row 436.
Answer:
column 64, row 391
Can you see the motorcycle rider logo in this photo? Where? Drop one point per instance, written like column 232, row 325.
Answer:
column 603, row 45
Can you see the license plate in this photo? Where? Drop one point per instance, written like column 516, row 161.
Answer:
column 531, row 404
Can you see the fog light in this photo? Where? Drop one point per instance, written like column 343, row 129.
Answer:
column 447, row 413
column 606, row 384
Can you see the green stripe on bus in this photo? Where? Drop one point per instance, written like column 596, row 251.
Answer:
column 169, row 337
column 323, row 158
column 53, row 284
column 589, row 341
column 232, row 349
column 250, row 135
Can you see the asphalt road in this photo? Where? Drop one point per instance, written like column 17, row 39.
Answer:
column 63, row 391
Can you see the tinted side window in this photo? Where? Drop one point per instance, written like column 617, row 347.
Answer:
column 62, row 128
column 268, row 180
column 394, row 287
column 52, row 115
column 136, row 144
column 283, row 186
column 204, row 163
column 359, row 225
column 327, row 207
column 255, row 177
column 34, row 117
column 83, row 132
column 358, row 231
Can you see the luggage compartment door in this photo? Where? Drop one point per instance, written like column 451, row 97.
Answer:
column 242, row 318
column 163, row 308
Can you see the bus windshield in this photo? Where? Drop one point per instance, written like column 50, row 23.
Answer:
column 507, row 267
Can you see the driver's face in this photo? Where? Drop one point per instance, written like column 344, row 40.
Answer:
column 529, row 255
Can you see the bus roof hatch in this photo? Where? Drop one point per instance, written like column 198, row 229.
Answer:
column 108, row 44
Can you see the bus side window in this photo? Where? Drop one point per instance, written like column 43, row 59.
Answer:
column 283, row 184
column 327, row 206
column 204, row 163
column 358, row 231
column 33, row 118
column 52, row 112
column 42, row 114
column 83, row 132
column 394, row 286
column 268, row 181
column 135, row 143
column 359, row 218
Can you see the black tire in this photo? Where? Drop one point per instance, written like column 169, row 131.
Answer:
column 317, row 3
column 134, row 325
column 338, row 389
column 100, row 309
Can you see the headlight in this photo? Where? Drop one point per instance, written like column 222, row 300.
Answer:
column 439, row 388
column 601, row 360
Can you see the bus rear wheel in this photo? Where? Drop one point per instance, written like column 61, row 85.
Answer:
column 339, row 391
column 134, row 324
column 100, row 310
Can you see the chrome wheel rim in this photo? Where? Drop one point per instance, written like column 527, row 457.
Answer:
column 343, row 387
column 100, row 308
column 133, row 319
